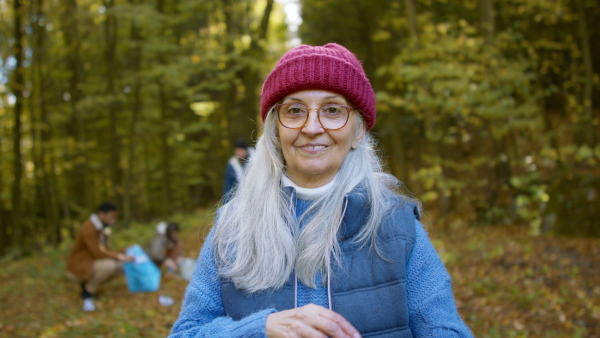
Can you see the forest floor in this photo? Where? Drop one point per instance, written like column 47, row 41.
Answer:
column 506, row 282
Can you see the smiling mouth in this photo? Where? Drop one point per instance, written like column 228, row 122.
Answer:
column 313, row 147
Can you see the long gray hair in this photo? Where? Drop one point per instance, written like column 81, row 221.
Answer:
column 257, row 243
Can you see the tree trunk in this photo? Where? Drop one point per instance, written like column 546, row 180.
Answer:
column 17, row 90
column 587, row 126
column 411, row 16
column 488, row 21
column 233, row 110
column 165, row 151
column 35, row 206
column 164, row 119
column 110, row 35
column 136, row 106
column 404, row 140
column 78, row 185
column 40, row 131
column 251, row 77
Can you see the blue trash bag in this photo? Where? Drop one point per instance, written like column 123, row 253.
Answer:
column 186, row 266
column 142, row 274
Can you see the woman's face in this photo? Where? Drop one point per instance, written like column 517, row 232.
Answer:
column 313, row 155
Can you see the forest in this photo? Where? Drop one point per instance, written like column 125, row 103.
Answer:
column 488, row 111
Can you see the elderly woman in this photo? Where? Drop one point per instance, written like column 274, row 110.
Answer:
column 316, row 241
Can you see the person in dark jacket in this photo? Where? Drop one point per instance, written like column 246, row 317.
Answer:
column 235, row 166
column 317, row 240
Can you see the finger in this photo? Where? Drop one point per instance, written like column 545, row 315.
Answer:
column 313, row 317
column 350, row 329
column 340, row 323
column 325, row 326
column 307, row 331
column 333, row 326
column 292, row 323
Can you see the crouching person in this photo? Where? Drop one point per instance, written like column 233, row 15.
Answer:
column 165, row 248
column 91, row 262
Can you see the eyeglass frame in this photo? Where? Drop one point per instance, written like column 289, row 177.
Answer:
column 278, row 105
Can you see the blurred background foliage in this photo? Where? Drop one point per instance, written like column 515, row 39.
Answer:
column 488, row 110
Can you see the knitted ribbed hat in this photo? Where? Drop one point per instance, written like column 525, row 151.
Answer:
column 330, row 67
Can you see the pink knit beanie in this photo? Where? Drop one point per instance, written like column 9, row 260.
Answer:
column 330, row 67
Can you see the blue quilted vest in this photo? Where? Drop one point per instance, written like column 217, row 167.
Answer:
column 368, row 290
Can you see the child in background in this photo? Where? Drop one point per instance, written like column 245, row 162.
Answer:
column 165, row 247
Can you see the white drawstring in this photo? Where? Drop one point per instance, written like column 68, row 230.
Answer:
column 295, row 278
column 295, row 290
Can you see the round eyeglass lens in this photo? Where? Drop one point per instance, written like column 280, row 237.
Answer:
column 331, row 116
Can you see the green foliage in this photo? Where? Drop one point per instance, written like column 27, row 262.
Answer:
column 108, row 113
column 485, row 126
column 497, row 128
column 469, row 97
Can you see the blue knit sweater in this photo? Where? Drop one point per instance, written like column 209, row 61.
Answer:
column 432, row 311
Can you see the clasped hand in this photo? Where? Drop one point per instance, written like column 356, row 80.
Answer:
column 309, row 321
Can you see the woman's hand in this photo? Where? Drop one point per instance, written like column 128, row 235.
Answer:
column 309, row 321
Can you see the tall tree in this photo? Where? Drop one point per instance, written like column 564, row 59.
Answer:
column 17, row 89
column 165, row 151
column 136, row 107
column 488, row 24
column 70, row 27
column 110, row 36
column 411, row 16
column 42, row 129
column 250, row 74
column 587, row 125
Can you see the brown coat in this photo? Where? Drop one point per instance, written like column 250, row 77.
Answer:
column 87, row 248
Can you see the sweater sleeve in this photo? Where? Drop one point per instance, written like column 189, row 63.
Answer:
column 202, row 313
column 431, row 307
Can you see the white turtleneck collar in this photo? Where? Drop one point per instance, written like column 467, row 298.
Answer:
column 307, row 194
column 96, row 221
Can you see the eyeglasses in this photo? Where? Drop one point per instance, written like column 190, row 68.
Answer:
column 295, row 115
